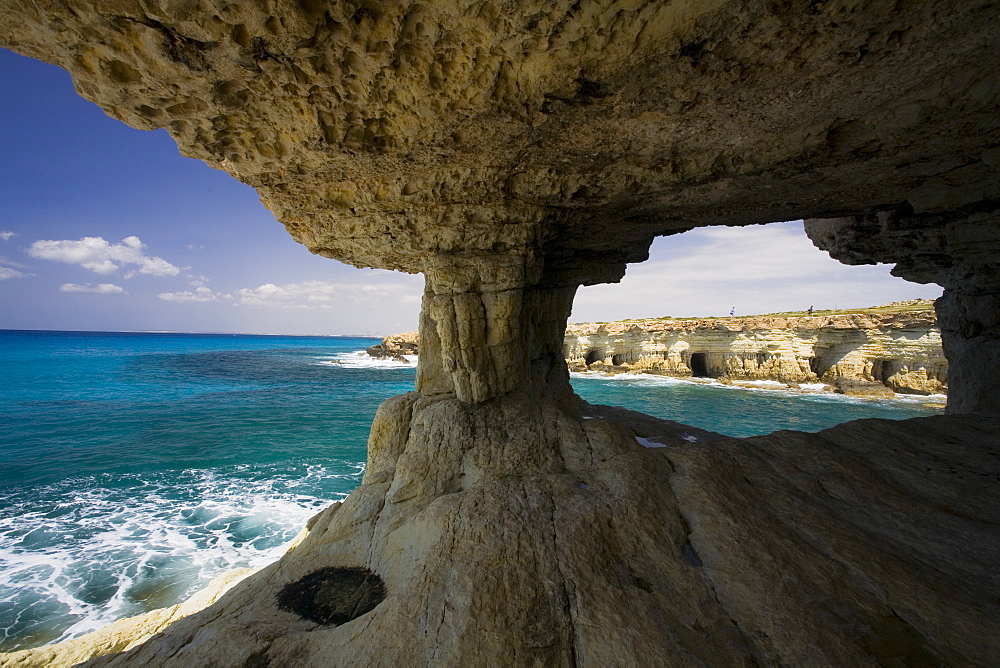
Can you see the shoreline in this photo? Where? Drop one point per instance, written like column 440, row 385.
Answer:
column 932, row 401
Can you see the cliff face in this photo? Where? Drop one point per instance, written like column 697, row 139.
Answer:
column 900, row 350
column 514, row 151
column 882, row 347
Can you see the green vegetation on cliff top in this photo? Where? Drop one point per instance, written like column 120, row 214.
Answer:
column 908, row 306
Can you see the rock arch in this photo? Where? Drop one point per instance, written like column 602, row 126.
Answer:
column 514, row 154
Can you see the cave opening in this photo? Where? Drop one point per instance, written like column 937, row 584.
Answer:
column 883, row 370
column 820, row 364
column 593, row 356
column 699, row 365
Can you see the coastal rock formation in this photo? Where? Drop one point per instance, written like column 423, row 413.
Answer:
column 548, row 143
column 512, row 152
column 396, row 346
column 959, row 251
column 620, row 539
column 899, row 350
column 123, row 634
column 896, row 347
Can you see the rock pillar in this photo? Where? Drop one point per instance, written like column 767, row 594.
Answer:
column 958, row 251
column 970, row 332
column 488, row 326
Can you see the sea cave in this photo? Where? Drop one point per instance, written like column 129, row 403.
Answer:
column 510, row 153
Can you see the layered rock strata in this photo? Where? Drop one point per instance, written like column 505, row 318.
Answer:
column 561, row 138
column 396, row 347
column 901, row 351
column 885, row 347
column 945, row 235
column 513, row 152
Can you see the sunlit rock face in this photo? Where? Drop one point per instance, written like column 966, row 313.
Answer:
column 959, row 250
column 512, row 152
column 897, row 350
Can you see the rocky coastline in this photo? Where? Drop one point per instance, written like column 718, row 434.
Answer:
column 514, row 152
column 873, row 352
column 396, row 347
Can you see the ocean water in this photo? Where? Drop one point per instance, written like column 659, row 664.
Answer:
column 137, row 467
column 742, row 411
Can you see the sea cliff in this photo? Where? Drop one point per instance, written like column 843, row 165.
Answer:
column 873, row 351
column 512, row 152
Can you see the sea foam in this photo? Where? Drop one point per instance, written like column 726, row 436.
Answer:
column 100, row 548
column 360, row 359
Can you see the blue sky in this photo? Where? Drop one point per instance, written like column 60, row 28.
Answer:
column 103, row 227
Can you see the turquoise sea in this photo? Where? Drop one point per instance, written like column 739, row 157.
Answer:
column 137, row 467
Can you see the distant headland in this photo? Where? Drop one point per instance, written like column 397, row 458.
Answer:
column 874, row 351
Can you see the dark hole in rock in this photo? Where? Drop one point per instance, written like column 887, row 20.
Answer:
column 593, row 356
column 333, row 595
column 883, row 370
column 699, row 366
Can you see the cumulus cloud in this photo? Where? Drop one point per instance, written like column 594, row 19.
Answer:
column 99, row 256
column 7, row 272
column 7, row 236
column 200, row 294
column 100, row 288
column 321, row 294
column 197, row 281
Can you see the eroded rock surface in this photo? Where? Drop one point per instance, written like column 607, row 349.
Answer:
column 389, row 134
column 613, row 538
column 959, row 250
column 396, row 346
column 898, row 351
column 513, row 152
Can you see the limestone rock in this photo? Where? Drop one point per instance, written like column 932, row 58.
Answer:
column 394, row 134
column 897, row 350
column 512, row 152
column 854, row 387
column 395, row 346
column 620, row 539
column 959, row 251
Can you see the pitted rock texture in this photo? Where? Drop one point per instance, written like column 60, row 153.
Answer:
column 896, row 350
column 512, row 152
column 960, row 251
column 392, row 133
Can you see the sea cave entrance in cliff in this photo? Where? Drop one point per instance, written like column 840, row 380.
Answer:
column 698, row 365
column 883, row 370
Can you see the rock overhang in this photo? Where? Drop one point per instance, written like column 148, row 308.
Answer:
column 567, row 134
column 513, row 152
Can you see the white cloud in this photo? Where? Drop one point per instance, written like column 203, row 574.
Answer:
column 100, row 288
column 323, row 295
column 200, row 294
column 756, row 269
column 7, row 272
column 99, row 256
column 6, row 236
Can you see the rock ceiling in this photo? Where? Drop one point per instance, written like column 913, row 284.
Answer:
column 403, row 134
